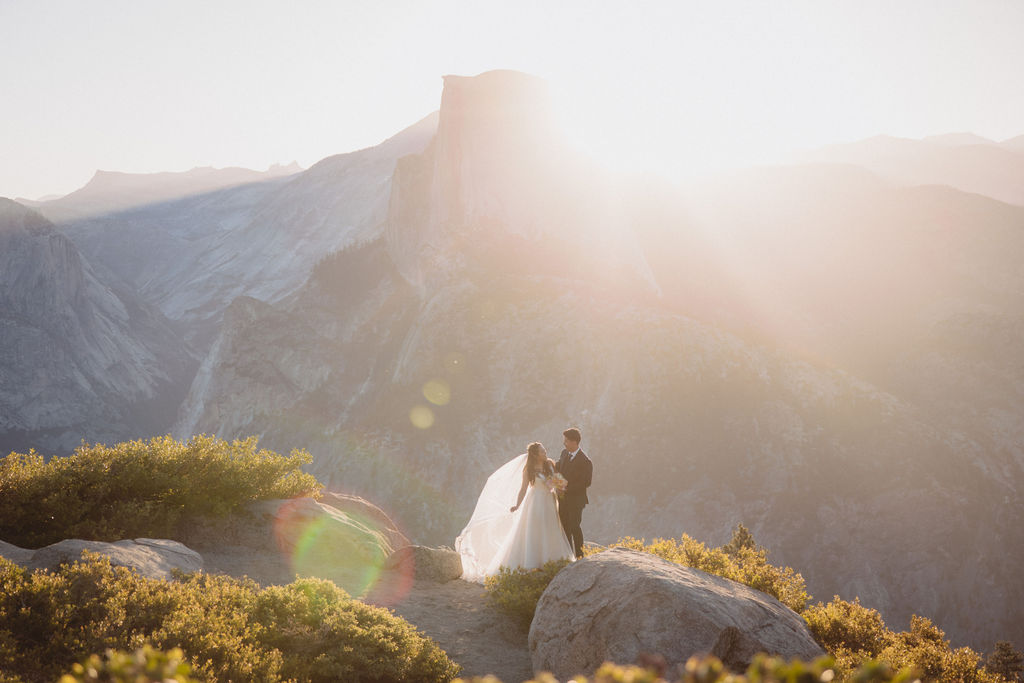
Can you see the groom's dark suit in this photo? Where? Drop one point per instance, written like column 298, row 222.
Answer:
column 578, row 471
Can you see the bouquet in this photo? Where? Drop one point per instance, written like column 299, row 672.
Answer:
column 557, row 484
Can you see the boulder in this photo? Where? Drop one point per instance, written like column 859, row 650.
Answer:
column 14, row 554
column 621, row 604
column 150, row 557
column 431, row 564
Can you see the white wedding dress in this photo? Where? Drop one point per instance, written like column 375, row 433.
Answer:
column 527, row 538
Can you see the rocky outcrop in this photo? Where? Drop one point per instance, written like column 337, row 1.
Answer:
column 619, row 604
column 153, row 558
column 426, row 564
column 83, row 359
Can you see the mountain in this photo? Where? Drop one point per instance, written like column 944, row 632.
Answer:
column 1016, row 144
column 960, row 161
column 830, row 358
column 82, row 359
column 192, row 255
column 110, row 191
column 957, row 139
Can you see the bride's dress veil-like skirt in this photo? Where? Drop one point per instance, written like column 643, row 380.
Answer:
column 496, row 537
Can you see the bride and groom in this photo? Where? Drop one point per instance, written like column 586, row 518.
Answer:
column 542, row 524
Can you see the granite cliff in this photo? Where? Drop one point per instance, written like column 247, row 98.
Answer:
column 82, row 359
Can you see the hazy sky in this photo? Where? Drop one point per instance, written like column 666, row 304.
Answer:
column 141, row 85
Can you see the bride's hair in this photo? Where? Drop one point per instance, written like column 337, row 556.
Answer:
column 532, row 455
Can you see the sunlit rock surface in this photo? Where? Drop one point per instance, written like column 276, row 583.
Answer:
column 620, row 604
column 154, row 558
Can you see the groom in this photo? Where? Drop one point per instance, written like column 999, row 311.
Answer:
column 577, row 469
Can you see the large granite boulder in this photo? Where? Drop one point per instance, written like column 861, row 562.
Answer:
column 154, row 558
column 15, row 554
column 621, row 603
column 423, row 563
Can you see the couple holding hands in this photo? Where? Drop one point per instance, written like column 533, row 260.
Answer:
column 544, row 522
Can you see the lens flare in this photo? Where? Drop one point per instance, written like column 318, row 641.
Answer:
column 347, row 548
column 422, row 417
column 454, row 362
column 437, row 392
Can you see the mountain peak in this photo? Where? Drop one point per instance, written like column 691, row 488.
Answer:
column 14, row 215
column 277, row 169
column 501, row 99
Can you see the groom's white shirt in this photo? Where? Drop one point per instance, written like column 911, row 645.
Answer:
column 573, row 454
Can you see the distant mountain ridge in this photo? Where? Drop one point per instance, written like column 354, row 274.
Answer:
column 110, row 191
column 961, row 160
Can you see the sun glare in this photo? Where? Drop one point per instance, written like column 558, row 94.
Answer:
column 631, row 139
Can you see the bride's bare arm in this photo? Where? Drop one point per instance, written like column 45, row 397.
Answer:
column 522, row 491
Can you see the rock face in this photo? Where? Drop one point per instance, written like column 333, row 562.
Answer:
column 432, row 564
column 498, row 176
column 191, row 256
column 154, row 558
column 83, row 358
column 620, row 603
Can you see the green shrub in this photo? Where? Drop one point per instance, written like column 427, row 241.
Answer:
column 145, row 665
column 744, row 564
column 709, row 669
column 516, row 591
column 228, row 629
column 139, row 488
column 925, row 648
column 848, row 627
column 1006, row 661
column 855, row 634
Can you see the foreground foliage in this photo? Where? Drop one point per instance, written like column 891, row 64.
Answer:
column 854, row 634
column 710, row 670
column 139, row 488
column 228, row 629
column 1006, row 661
column 740, row 561
column 145, row 665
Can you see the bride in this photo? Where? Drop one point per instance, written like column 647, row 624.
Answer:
column 527, row 534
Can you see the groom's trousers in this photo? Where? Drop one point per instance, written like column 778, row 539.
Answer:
column 570, row 512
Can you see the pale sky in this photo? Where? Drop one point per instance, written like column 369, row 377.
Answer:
column 669, row 87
